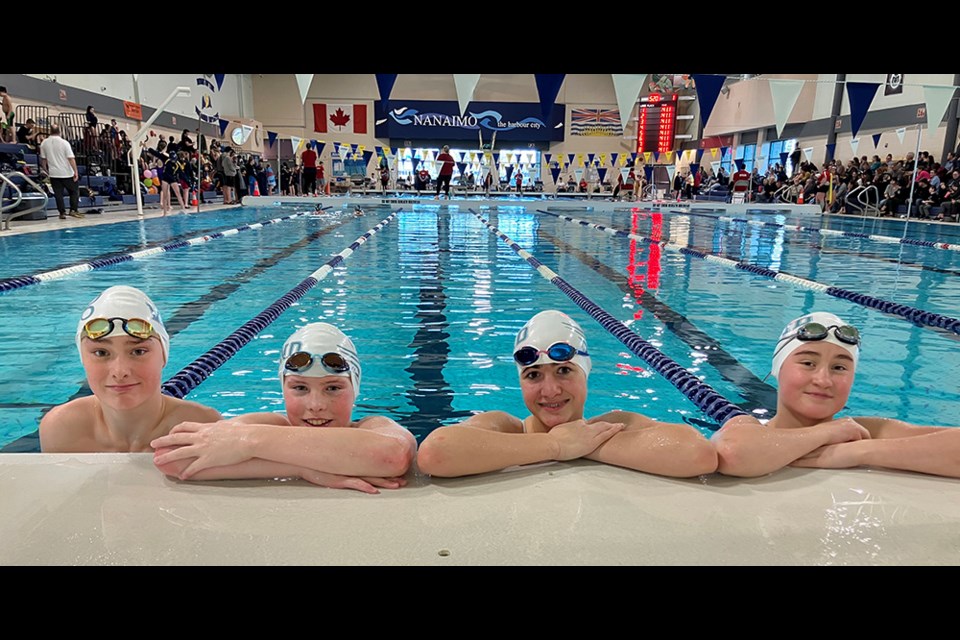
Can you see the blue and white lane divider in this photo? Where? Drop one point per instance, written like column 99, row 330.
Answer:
column 917, row 316
column 22, row 281
column 700, row 393
column 828, row 232
column 188, row 378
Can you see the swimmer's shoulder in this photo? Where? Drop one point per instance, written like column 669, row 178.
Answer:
column 179, row 410
column 69, row 427
column 499, row 421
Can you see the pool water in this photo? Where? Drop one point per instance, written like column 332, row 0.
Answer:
column 434, row 299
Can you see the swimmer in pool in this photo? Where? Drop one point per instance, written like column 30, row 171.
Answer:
column 814, row 363
column 553, row 362
column 358, row 212
column 316, row 440
column 124, row 347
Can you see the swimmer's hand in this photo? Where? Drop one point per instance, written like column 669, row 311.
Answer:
column 366, row 485
column 579, row 438
column 213, row 444
column 843, row 430
column 834, row 456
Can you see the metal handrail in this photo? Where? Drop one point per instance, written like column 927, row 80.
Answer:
column 3, row 192
column 859, row 191
column 7, row 217
column 779, row 194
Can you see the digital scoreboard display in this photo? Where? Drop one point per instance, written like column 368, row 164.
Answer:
column 657, row 126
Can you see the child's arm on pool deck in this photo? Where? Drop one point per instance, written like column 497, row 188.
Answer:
column 257, row 468
column 381, row 448
column 667, row 449
column 495, row 440
column 895, row 445
column 748, row 449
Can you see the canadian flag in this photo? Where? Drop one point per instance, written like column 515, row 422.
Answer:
column 339, row 118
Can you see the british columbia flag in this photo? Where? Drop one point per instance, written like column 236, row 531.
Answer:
column 595, row 122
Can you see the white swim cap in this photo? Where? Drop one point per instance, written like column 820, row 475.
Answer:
column 789, row 342
column 548, row 328
column 124, row 302
column 317, row 339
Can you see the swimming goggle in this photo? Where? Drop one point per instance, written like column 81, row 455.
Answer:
column 97, row 328
column 302, row 360
column 816, row 331
column 559, row 352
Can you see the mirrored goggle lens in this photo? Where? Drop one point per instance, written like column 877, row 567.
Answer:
column 812, row 331
column 97, row 328
column 848, row 334
column 301, row 361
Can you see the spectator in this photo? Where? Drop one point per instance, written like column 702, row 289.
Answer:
column 284, row 179
column 229, row 176
column 58, row 161
column 321, row 181
column 6, row 125
column 91, row 118
column 385, row 177
column 27, row 134
column 445, row 173
column 309, row 160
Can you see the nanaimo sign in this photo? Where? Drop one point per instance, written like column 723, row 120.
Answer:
column 442, row 120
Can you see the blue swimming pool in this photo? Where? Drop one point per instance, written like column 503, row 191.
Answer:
column 434, row 299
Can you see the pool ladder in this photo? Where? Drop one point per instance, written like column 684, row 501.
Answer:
column 8, row 210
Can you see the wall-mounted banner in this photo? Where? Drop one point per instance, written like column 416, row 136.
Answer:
column 595, row 122
column 441, row 120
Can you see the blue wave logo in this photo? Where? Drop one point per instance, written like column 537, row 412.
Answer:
column 403, row 111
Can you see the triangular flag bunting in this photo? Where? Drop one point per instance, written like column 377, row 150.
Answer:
column 295, row 143
column 854, row 143
column 602, row 172
column 831, row 148
column 465, row 83
column 546, row 157
column 366, row 157
column 385, row 86
column 590, row 158
column 548, row 86
column 876, row 140
column 708, row 88
column 860, row 95
column 648, row 172
column 578, row 173
column 715, row 165
column 570, row 158
column 223, row 126
column 900, row 132
column 627, row 87
column 784, row 94
column 271, row 138
column 624, row 172
column 462, row 167
column 219, row 78
column 304, row 80
column 647, row 156
column 555, row 172
column 783, row 158
column 319, row 145
column 808, row 153
column 671, row 171
column 698, row 155
column 613, row 158
column 937, row 99
column 714, row 151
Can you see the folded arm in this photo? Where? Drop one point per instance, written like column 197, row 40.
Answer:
column 376, row 448
column 748, row 449
column 667, row 449
column 895, row 445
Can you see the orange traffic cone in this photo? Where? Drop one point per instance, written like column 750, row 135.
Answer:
column 326, row 187
column 193, row 198
column 800, row 198
column 256, row 188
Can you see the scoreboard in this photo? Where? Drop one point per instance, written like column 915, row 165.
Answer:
column 657, row 126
